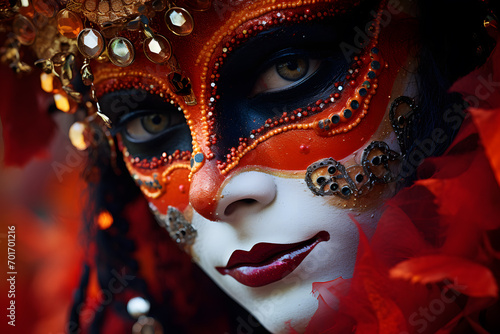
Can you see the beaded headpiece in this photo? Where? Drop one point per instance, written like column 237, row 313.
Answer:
column 62, row 37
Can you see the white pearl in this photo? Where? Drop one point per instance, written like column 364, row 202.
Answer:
column 138, row 306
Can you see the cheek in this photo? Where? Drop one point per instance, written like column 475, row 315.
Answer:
column 164, row 185
column 294, row 215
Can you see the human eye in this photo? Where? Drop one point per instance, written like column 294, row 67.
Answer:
column 284, row 66
column 286, row 70
column 276, row 72
column 145, row 125
column 148, row 125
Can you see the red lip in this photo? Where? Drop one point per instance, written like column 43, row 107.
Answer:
column 267, row 263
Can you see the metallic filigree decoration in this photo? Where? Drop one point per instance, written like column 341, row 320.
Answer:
column 177, row 226
column 402, row 123
column 379, row 164
column 61, row 65
column 329, row 177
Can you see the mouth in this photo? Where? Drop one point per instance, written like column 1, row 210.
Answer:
column 267, row 263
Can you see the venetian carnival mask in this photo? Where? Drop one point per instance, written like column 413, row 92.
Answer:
column 264, row 138
column 262, row 133
column 269, row 139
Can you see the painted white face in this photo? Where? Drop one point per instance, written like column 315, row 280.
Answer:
column 284, row 212
column 261, row 207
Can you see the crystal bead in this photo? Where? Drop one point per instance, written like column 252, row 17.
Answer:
column 47, row 8
column 69, row 23
column 157, row 49
column 79, row 134
column 179, row 21
column 198, row 5
column 180, row 83
column 24, row 30
column 90, row 43
column 121, row 51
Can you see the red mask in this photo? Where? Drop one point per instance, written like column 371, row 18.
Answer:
column 275, row 87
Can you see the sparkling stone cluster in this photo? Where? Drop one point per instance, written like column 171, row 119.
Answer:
column 93, row 27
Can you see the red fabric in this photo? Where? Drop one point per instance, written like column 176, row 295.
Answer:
column 481, row 88
column 27, row 128
column 401, row 270
column 476, row 280
column 434, row 258
column 487, row 122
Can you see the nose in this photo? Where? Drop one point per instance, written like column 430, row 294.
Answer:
column 245, row 193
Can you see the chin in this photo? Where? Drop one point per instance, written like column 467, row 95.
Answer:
column 289, row 302
column 283, row 310
column 282, row 305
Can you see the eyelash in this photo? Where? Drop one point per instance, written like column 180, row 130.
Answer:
column 173, row 133
column 145, row 131
column 328, row 72
column 174, row 116
column 129, row 117
column 269, row 74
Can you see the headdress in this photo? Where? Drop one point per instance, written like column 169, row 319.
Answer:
column 62, row 37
